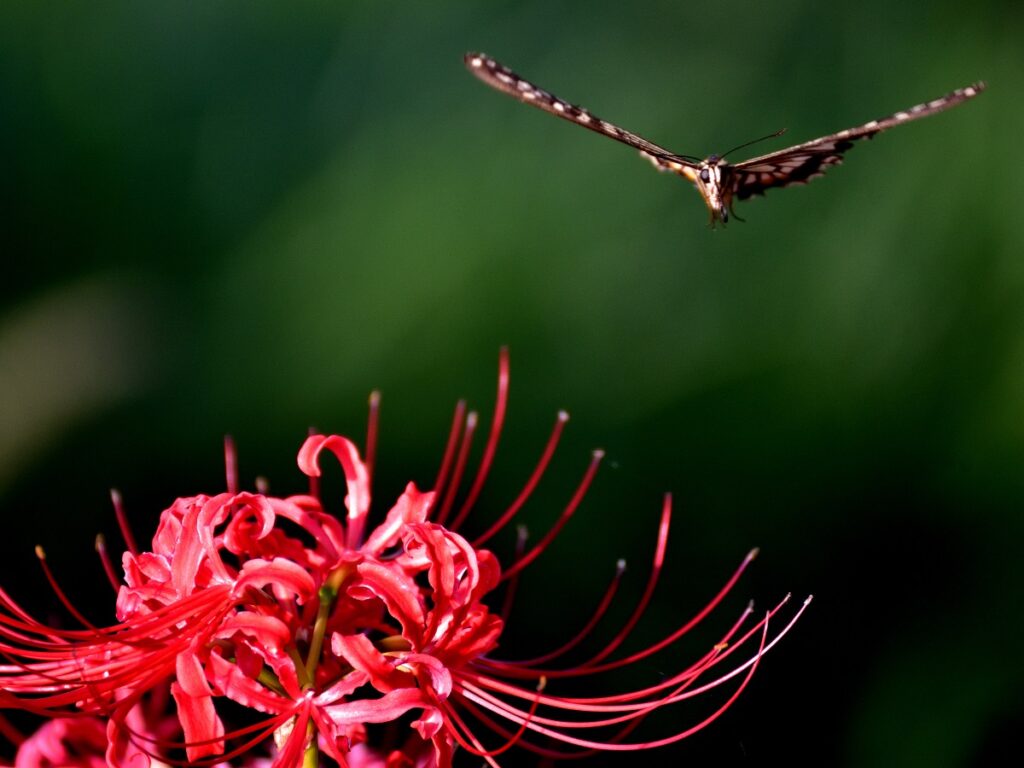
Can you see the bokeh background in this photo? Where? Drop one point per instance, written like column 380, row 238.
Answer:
column 242, row 217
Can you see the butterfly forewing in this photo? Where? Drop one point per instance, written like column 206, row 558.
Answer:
column 502, row 78
column 800, row 164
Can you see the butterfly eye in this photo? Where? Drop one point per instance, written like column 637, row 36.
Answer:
column 704, row 175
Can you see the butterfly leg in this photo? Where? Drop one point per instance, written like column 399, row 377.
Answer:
column 658, row 163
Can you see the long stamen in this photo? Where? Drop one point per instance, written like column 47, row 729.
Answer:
column 371, row 434
column 522, row 534
column 122, row 522
column 659, row 560
column 9, row 732
column 497, row 421
column 263, row 730
column 61, row 595
column 314, row 480
column 230, row 464
column 512, row 739
column 570, row 508
column 460, row 466
column 531, row 483
column 464, row 736
column 108, row 566
column 619, row 747
column 599, row 612
column 449, row 450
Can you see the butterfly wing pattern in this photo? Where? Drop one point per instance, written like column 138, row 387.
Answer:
column 718, row 182
column 502, row 78
column 800, row 164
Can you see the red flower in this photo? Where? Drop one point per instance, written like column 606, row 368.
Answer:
column 326, row 630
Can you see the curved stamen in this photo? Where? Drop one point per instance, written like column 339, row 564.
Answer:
column 599, row 612
column 652, row 582
column 108, row 566
column 460, row 466
column 449, row 449
column 61, row 595
column 522, row 534
column 619, row 747
column 570, row 508
column 531, row 483
column 497, row 422
column 371, row 435
column 122, row 522
column 512, row 739
column 230, row 464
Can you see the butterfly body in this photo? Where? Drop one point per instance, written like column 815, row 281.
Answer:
column 719, row 183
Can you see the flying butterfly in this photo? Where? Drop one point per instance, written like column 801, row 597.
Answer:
column 719, row 183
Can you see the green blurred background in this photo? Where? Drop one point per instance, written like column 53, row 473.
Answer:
column 242, row 217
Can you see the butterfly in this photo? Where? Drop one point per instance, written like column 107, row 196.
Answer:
column 718, row 182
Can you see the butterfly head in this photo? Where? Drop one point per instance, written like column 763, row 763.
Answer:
column 710, row 178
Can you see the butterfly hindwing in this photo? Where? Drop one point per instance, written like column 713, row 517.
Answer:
column 790, row 166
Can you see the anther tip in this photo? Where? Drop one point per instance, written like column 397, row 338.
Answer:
column 40, row 552
column 563, row 415
column 620, row 566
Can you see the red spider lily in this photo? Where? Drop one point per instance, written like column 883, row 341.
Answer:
column 324, row 630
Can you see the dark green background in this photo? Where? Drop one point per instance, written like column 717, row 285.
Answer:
column 242, row 217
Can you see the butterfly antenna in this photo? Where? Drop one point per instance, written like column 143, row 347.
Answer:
column 747, row 144
column 674, row 156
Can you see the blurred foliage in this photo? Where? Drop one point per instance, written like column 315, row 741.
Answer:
column 242, row 217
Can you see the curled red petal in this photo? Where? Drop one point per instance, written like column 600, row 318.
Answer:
column 433, row 674
column 203, row 728
column 398, row 592
column 390, row 706
column 357, row 479
column 412, row 507
column 361, row 653
column 279, row 573
column 269, row 632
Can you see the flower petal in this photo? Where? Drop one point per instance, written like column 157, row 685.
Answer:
column 357, row 478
